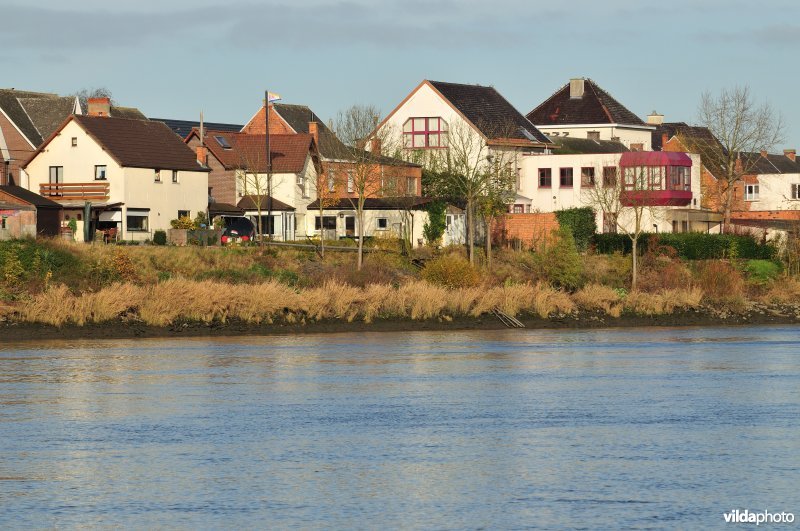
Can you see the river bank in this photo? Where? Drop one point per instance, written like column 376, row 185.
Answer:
column 125, row 329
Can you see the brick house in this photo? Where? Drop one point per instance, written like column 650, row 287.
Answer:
column 24, row 214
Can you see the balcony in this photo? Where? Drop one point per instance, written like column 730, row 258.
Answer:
column 656, row 178
column 75, row 192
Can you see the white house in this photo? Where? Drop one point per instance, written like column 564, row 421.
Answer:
column 581, row 109
column 132, row 176
column 577, row 170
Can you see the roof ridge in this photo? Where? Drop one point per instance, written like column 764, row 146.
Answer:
column 559, row 89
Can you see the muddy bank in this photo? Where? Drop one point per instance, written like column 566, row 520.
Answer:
column 13, row 331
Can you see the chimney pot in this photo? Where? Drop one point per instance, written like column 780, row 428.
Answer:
column 576, row 88
column 791, row 154
column 99, row 106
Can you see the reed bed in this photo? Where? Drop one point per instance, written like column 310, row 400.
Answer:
column 209, row 301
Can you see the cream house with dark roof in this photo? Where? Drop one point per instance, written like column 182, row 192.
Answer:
column 128, row 176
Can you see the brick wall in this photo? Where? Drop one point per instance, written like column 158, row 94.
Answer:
column 277, row 126
column 17, row 145
column 527, row 229
column 18, row 223
column 221, row 181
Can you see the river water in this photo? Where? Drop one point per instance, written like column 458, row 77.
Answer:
column 654, row 428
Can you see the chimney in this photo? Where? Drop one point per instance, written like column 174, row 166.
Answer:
column 576, row 88
column 99, row 106
column 790, row 154
column 202, row 155
column 664, row 141
column 764, row 153
column 375, row 145
column 313, row 130
column 655, row 119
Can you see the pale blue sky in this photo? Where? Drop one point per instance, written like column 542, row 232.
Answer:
column 175, row 58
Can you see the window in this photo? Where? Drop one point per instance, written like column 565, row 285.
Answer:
column 655, row 174
column 267, row 224
column 99, row 173
column 751, row 192
column 411, row 186
column 680, row 178
column 610, row 176
column 136, row 222
column 223, row 142
column 350, row 183
column 796, row 191
column 610, row 222
column 175, row 176
column 421, row 133
column 587, row 177
column 74, row 141
column 3, row 222
column 637, row 147
column 593, row 135
column 56, row 174
column 184, row 214
column 519, row 209
column 545, row 177
column 328, row 222
column 157, row 176
column 382, row 223
column 331, row 182
column 565, row 177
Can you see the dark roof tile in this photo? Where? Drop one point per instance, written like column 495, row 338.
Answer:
column 183, row 128
column 596, row 106
column 289, row 152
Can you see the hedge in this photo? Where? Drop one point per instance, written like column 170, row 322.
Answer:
column 581, row 222
column 689, row 245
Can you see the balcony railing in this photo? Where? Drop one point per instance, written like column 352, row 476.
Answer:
column 96, row 191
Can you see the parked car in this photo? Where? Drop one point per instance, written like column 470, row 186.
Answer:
column 238, row 229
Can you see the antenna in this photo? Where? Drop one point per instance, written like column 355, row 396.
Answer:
column 202, row 136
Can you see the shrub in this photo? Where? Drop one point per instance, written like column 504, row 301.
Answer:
column 434, row 228
column 451, row 271
column 597, row 297
column 581, row 223
column 559, row 262
column 160, row 237
column 721, row 282
column 183, row 222
column 609, row 270
column 690, row 245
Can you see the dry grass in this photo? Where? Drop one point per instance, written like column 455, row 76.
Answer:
column 784, row 291
column 664, row 302
column 598, row 297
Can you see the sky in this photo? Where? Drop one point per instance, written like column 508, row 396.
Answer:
column 173, row 59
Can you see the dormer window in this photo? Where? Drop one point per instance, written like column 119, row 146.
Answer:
column 425, row 133
column 223, row 142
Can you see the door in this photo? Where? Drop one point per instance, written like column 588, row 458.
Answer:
column 350, row 226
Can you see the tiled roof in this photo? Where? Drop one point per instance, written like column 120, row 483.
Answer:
column 758, row 164
column 567, row 145
column 376, row 203
column 140, row 143
column 9, row 103
column 596, row 106
column 182, row 128
column 289, row 152
column 29, row 197
column 687, row 133
column 127, row 112
column 490, row 112
column 48, row 113
column 249, row 202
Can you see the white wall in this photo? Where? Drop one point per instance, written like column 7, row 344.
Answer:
column 775, row 192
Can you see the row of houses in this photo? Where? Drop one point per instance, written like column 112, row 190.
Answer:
column 102, row 167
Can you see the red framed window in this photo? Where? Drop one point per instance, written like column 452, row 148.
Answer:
column 587, row 177
column 565, row 177
column 425, row 133
column 545, row 177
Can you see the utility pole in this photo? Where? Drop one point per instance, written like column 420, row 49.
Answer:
column 269, row 167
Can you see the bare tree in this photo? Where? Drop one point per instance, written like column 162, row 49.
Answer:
column 623, row 200
column 326, row 187
column 253, row 178
column 740, row 127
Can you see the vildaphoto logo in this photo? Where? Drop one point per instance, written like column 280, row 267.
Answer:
column 764, row 517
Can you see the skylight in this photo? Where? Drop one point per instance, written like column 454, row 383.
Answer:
column 222, row 141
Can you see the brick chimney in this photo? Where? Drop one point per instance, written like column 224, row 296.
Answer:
column 577, row 86
column 313, row 130
column 202, row 155
column 375, row 145
column 664, row 140
column 764, row 153
column 790, row 154
column 99, row 106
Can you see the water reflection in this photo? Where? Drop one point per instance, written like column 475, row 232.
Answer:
column 664, row 427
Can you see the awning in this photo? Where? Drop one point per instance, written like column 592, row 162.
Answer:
column 111, row 215
column 633, row 159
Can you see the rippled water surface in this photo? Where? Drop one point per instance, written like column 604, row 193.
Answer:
column 658, row 428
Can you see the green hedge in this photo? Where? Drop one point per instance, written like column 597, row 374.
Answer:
column 689, row 245
column 581, row 223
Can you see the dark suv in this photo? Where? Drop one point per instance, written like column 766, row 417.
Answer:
column 238, row 229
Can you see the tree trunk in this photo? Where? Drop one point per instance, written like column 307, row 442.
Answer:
column 360, row 261
column 470, row 233
column 635, row 265
column 487, row 222
column 726, row 212
column 321, row 232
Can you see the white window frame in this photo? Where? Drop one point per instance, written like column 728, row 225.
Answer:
column 751, row 192
column 97, row 171
column 378, row 224
column 157, row 176
column 351, row 185
column 175, row 176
